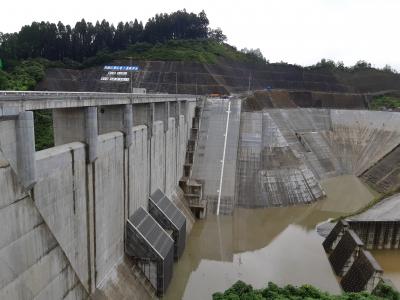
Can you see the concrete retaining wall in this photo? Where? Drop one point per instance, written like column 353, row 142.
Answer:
column 157, row 158
column 109, row 203
column 32, row 262
column 60, row 196
column 181, row 145
column 170, row 157
column 65, row 237
column 139, row 169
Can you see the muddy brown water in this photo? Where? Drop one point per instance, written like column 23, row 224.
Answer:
column 390, row 262
column 262, row 245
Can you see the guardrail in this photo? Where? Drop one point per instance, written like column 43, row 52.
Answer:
column 34, row 100
column 31, row 95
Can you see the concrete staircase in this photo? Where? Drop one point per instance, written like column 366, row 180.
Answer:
column 193, row 189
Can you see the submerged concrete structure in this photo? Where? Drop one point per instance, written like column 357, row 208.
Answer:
column 357, row 268
column 379, row 226
column 63, row 210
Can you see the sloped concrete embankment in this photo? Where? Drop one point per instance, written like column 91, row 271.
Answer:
column 384, row 175
column 65, row 237
column 320, row 143
column 269, row 169
column 359, row 139
column 335, row 142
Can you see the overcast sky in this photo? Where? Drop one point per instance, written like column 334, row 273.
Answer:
column 295, row 31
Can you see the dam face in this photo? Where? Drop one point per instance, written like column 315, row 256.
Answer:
column 64, row 210
column 285, row 153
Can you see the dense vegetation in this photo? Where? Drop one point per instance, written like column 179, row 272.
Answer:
column 386, row 102
column 44, row 136
column 23, row 76
column 199, row 50
column 330, row 65
column 24, row 55
column 59, row 41
column 243, row 291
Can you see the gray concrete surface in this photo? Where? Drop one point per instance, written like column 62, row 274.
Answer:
column 32, row 263
column 60, row 197
column 65, row 237
column 157, row 158
column 207, row 160
column 335, row 142
column 139, row 169
column 26, row 149
column 14, row 102
column 270, row 172
column 109, row 203
column 170, row 157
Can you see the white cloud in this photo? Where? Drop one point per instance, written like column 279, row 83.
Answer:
column 295, row 31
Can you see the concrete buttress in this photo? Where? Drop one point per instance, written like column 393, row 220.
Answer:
column 26, row 149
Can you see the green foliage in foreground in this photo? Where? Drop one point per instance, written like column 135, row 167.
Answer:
column 388, row 102
column 243, row 291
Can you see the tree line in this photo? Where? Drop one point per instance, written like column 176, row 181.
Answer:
column 58, row 41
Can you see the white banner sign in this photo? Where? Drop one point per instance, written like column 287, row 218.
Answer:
column 123, row 79
column 122, row 68
column 117, row 73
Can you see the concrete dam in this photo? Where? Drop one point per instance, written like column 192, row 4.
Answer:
column 110, row 211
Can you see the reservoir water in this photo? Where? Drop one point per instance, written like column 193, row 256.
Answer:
column 261, row 245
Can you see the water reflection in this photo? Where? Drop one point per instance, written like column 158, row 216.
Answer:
column 261, row 245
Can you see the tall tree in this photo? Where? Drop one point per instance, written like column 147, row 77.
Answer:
column 59, row 41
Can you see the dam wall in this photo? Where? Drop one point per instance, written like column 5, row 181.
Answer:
column 63, row 214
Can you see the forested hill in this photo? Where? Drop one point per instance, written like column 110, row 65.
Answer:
column 84, row 40
column 176, row 52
